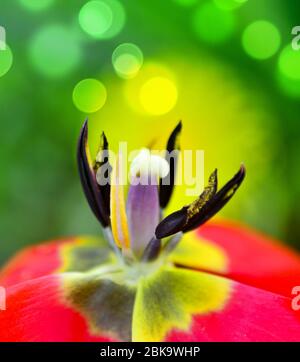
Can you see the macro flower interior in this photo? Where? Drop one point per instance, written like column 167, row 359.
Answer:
column 149, row 177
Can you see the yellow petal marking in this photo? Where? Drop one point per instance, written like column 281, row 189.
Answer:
column 196, row 252
column 170, row 298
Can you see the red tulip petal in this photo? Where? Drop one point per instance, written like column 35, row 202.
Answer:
column 33, row 262
column 241, row 254
column 36, row 311
column 78, row 254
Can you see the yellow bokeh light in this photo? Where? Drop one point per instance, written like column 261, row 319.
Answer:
column 158, row 95
column 153, row 91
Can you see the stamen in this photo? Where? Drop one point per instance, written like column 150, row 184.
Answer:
column 119, row 222
column 209, row 191
column 92, row 190
column 172, row 153
column 202, row 209
column 217, row 201
column 152, row 250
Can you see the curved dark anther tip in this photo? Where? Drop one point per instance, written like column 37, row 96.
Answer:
column 83, row 168
column 84, row 129
column 166, row 184
column 242, row 170
column 85, row 124
column 213, row 180
column 105, row 142
column 171, row 224
column 171, row 145
column 82, row 141
column 152, row 250
column 178, row 127
column 88, row 178
column 217, row 202
column 203, row 208
column 235, row 182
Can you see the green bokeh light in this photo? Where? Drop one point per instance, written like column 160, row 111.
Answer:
column 36, row 5
column 229, row 4
column 102, row 19
column 89, row 95
column 6, row 59
column 289, row 71
column 55, row 51
column 212, row 24
column 127, row 60
column 289, row 63
column 261, row 39
column 95, row 18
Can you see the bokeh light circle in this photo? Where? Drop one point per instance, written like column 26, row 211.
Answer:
column 127, row 60
column 55, row 51
column 261, row 39
column 95, row 18
column 288, row 75
column 36, row 5
column 213, row 25
column 158, row 95
column 89, row 95
column 289, row 63
column 146, row 94
column 102, row 19
column 6, row 59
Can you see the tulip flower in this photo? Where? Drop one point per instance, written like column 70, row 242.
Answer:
column 152, row 277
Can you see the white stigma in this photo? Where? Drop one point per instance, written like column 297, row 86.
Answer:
column 145, row 164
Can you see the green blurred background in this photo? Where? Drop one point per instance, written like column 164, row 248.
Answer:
column 225, row 67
